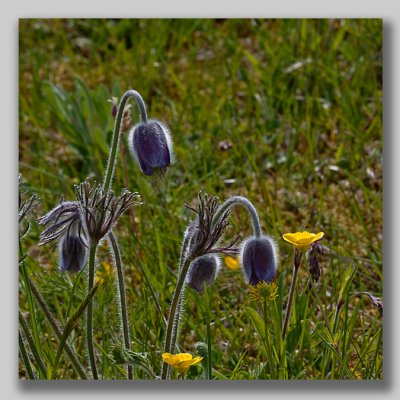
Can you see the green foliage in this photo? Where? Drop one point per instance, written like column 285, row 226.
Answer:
column 285, row 112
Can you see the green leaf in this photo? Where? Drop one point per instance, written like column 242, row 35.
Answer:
column 257, row 320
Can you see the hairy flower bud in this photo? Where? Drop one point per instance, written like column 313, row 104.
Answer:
column 72, row 252
column 151, row 145
column 259, row 259
column 203, row 270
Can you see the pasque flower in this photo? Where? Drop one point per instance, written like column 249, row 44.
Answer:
column 78, row 224
column 181, row 362
column 65, row 225
column 151, row 145
column 259, row 259
column 203, row 270
column 302, row 240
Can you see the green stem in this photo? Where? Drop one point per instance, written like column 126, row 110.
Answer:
column 266, row 339
column 172, row 316
column 56, row 327
column 89, row 312
column 24, row 356
column 209, row 351
column 182, row 257
column 40, row 365
column 249, row 206
column 122, row 296
column 112, row 159
column 297, row 260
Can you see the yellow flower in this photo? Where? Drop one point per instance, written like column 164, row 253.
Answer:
column 104, row 273
column 302, row 240
column 232, row 263
column 181, row 361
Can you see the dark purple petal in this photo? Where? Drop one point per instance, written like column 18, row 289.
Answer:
column 72, row 254
column 258, row 260
column 149, row 142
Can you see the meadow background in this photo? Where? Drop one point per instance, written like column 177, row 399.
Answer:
column 285, row 112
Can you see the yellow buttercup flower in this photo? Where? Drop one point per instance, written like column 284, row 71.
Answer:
column 181, row 361
column 231, row 263
column 302, row 240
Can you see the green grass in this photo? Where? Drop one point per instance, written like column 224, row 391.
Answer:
column 300, row 102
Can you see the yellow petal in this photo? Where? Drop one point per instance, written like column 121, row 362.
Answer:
column 318, row 236
column 290, row 237
column 183, row 357
column 231, row 263
column 302, row 240
column 184, row 365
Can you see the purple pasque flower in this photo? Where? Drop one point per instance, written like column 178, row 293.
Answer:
column 203, row 270
column 259, row 259
column 151, row 145
column 64, row 223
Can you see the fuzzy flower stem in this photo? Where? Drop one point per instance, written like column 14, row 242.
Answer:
column 297, row 261
column 122, row 296
column 250, row 208
column 173, row 317
column 178, row 308
column 56, row 327
column 89, row 312
column 112, row 159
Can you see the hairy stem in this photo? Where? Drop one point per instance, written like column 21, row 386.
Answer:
column 112, row 159
column 182, row 257
column 89, row 312
column 122, row 296
column 224, row 207
column 173, row 316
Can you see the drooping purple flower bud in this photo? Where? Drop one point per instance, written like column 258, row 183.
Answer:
column 259, row 259
column 203, row 270
column 151, row 145
column 72, row 252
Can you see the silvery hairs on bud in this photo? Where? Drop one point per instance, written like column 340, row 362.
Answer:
column 78, row 224
column 202, row 233
column 100, row 210
column 203, row 270
column 64, row 224
column 151, row 146
column 259, row 259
